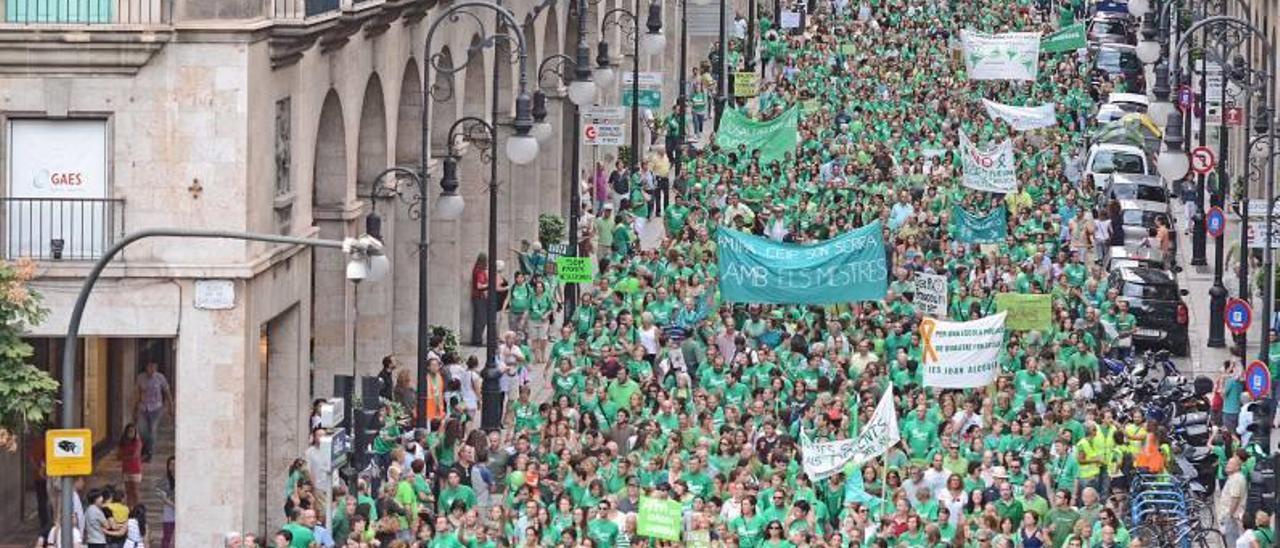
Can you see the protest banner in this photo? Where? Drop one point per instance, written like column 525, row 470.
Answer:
column 822, row 460
column 746, row 84
column 1068, row 38
column 844, row 269
column 661, row 519
column 1022, row 118
column 989, row 170
column 931, row 293
column 773, row 138
column 970, row 229
column 1007, row 56
column 1026, row 312
column 574, row 269
column 961, row 354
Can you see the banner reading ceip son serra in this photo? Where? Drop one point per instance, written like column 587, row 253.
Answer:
column 844, row 269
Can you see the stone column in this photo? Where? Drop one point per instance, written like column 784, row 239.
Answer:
column 332, row 321
column 553, row 163
column 217, row 483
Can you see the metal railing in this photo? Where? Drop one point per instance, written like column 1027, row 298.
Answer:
column 85, row 12
column 71, row 229
column 301, row 9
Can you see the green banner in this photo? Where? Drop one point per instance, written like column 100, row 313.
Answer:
column 773, row 138
column 572, row 270
column 971, row 229
column 662, row 519
column 1026, row 312
column 845, row 269
column 1070, row 38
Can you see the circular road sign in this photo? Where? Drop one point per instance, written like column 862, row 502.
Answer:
column 1215, row 222
column 1202, row 160
column 1257, row 379
column 1185, row 98
column 590, row 132
column 1238, row 315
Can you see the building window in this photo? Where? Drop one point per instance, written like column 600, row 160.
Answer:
column 59, row 11
column 283, row 197
column 57, row 204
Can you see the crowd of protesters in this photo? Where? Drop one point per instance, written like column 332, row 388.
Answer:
column 659, row 389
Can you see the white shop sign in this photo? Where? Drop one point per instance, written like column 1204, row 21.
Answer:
column 53, row 165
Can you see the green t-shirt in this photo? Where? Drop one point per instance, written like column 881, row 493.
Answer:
column 302, row 536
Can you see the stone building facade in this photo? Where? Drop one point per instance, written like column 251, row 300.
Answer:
column 267, row 116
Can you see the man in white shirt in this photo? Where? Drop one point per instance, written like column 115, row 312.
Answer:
column 1230, row 510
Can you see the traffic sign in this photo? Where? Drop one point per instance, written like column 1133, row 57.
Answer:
column 68, row 452
column 1233, row 117
column 1257, row 379
column 1202, row 160
column 1238, row 315
column 1185, row 98
column 602, row 134
column 1215, row 222
column 598, row 113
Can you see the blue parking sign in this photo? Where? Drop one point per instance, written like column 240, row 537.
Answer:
column 1257, row 379
column 1238, row 315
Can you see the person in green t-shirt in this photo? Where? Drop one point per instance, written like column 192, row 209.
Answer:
column 455, row 491
column 300, row 528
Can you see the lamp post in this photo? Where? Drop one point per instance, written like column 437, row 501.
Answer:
column 575, row 73
column 1260, row 170
column 360, row 266
column 410, row 188
column 628, row 22
column 1228, row 34
column 722, row 76
column 522, row 148
column 1248, row 83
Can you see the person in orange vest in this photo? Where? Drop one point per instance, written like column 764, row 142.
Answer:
column 433, row 392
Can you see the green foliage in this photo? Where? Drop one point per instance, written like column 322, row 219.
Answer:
column 550, row 229
column 27, row 394
column 449, row 336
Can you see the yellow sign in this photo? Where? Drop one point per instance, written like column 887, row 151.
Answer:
column 746, row 84
column 68, row 452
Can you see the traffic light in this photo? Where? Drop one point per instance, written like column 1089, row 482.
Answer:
column 366, row 430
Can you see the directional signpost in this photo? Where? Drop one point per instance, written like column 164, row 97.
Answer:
column 1215, row 222
column 1238, row 315
column 602, row 126
column 1257, row 379
column 1202, row 160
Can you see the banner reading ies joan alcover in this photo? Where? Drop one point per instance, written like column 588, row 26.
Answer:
column 845, row 269
column 961, row 354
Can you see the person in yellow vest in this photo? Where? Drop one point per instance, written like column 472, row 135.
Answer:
column 1135, row 431
column 1092, row 455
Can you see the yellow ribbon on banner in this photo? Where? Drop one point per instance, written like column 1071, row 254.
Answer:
column 927, row 327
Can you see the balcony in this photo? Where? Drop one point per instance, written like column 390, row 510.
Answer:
column 85, row 12
column 300, row 24
column 60, row 229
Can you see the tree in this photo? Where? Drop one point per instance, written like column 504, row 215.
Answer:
column 27, row 393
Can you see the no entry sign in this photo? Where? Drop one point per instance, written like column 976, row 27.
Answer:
column 1202, row 160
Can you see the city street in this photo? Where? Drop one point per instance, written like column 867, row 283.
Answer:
column 583, row 274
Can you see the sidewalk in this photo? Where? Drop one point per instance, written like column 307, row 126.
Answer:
column 1197, row 280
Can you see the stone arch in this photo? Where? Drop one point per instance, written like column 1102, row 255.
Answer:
column 551, row 34
column 409, row 117
column 445, row 91
column 330, row 166
column 536, row 54
column 505, row 55
column 371, row 142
